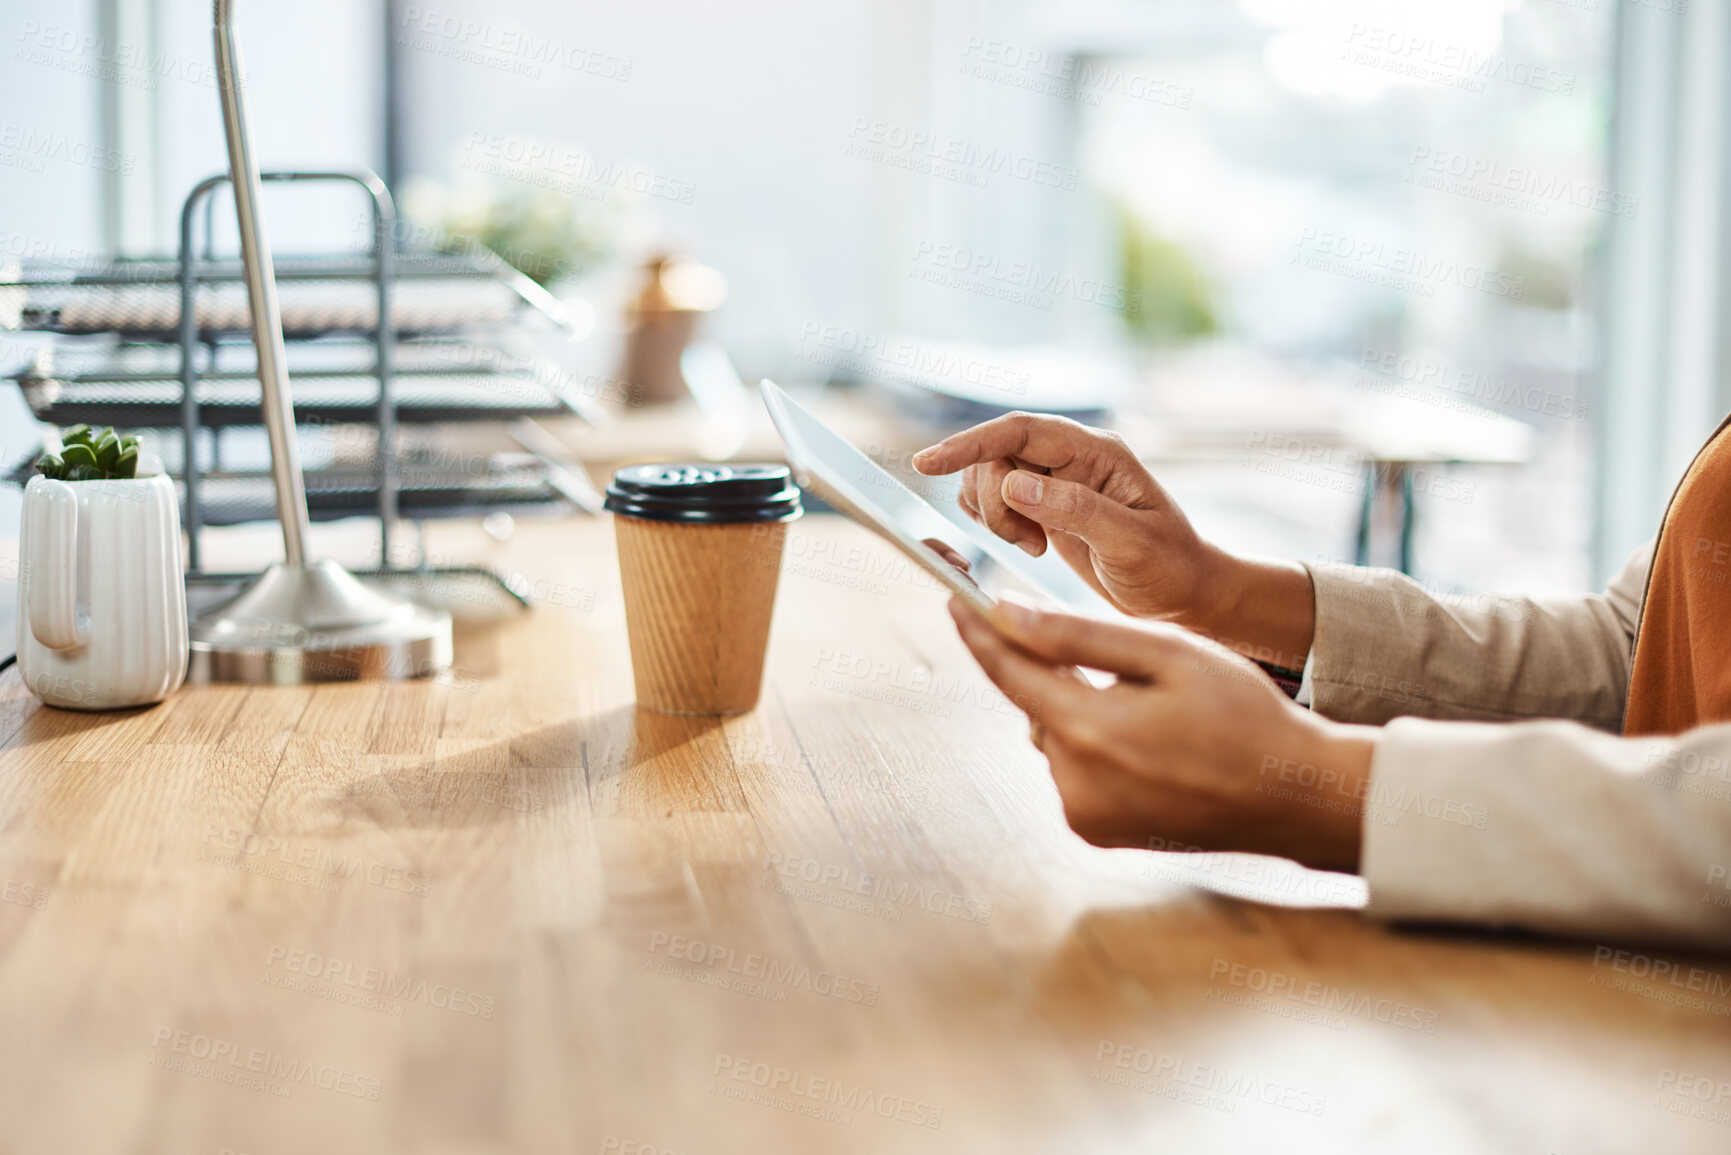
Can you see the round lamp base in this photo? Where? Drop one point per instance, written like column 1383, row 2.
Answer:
column 317, row 624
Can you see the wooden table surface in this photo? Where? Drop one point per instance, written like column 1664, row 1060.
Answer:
column 505, row 912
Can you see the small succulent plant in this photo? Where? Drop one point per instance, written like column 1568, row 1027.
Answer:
column 87, row 454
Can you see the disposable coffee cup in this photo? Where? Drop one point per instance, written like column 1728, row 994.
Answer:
column 699, row 556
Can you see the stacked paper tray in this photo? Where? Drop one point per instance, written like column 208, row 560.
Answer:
column 512, row 483
column 140, row 300
column 138, row 386
column 514, row 487
column 100, row 343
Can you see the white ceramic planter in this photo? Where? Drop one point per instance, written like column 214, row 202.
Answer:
column 101, row 596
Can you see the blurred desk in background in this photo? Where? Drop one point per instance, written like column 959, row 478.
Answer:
column 504, row 911
column 1385, row 445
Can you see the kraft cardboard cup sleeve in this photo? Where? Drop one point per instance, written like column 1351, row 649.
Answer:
column 699, row 556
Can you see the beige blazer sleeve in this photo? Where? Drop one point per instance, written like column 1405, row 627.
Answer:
column 1386, row 647
column 1549, row 825
column 1552, row 826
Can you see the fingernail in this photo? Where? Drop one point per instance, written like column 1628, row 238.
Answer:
column 1029, row 548
column 1025, row 487
column 924, row 456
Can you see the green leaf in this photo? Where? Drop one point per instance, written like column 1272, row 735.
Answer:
column 130, row 441
column 76, row 435
column 50, row 465
column 83, row 473
column 78, row 454
column 107, row 449
column 126, row 465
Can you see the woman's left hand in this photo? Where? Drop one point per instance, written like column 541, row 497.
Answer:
column 1192, row 746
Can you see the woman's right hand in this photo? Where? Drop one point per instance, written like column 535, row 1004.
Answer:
column 1036, row 480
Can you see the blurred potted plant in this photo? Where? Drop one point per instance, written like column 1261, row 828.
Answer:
column 1167, row 299
column 550, row 237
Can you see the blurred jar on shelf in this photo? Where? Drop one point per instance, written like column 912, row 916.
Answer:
column 661, row 321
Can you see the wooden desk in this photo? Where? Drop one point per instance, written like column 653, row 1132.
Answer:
column 504, row 912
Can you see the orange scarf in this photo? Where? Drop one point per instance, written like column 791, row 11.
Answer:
column 1682, row 674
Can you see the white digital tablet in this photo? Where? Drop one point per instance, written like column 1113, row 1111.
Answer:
column 824, row 463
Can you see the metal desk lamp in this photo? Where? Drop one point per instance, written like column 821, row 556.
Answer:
column 300, row 621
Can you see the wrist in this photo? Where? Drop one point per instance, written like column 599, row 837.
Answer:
column 1220, row 586
column 1349, row 750
column 1333, row 798
column 1265, row 610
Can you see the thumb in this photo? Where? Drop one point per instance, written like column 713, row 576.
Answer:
column 1067, row 506
column 1140, row 650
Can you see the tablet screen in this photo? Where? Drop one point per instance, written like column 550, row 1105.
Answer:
column 825, row 463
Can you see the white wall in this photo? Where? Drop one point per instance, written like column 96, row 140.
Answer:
column 44, row 101
column 751, row 107
column 755, row 107
column 314, row 70
column 314, row 98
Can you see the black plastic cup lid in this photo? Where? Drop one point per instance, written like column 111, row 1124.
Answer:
column 705, row 494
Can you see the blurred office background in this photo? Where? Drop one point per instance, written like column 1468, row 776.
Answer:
column 1275, row 240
